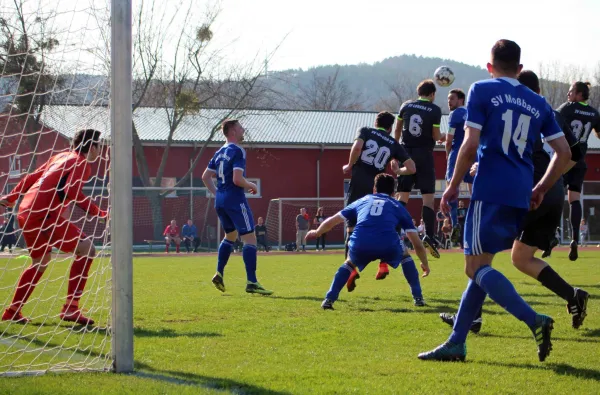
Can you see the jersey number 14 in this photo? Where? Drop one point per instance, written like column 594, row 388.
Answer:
column 519, row 135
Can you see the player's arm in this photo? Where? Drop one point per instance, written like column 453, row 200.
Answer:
column 167, row 230
column 326, row 226
column 449, row 138
column 408, row 165
column 241, row 181
column 354, row 154
column 73, row 190
column 435, row 132
column 207, row 179
column 466, row 155
column 562, row 155
column 398, row 129
column 22, row 187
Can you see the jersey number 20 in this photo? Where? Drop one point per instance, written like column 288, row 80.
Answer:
column 519, row 135
column 375, row 155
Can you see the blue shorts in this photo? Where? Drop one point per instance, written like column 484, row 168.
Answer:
column 362, row 255
column 236, row 217
column 491, row 228
column 450, row 169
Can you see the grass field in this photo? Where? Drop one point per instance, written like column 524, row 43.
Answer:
column 190, row 339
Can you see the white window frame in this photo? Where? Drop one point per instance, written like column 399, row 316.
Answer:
column 14, row 166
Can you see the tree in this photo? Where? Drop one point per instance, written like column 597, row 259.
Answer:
column 177, row 68
column 26, row 40
column 402, row 88
column 324, row 90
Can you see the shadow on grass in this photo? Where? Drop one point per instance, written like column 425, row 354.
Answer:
column 310, row 298
column 560, row 339
column 196, row 380
column 591, row 332
column 558, row 368
column 167, row 332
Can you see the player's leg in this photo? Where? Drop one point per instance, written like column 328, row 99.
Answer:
column 409, row 269
column 356, row 262
column 243, row 220
column 39, row 250
column 225, row 248
column 25, row 287
column 576, row 214
column 425, row 182
column 177, row 242
column 574, row 178
column 187, row 244
column 167, row 243
column 486, row 280
column 538, row 232
column 85, row 253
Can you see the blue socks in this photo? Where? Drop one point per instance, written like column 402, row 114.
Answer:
column 412, row 277
column 340, row 279
column 470, row 305
column 224, row 252
column 501, row 291
column 454, row 212
column 249, row 256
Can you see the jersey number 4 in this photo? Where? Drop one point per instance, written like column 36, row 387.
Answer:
column 221, row 174
column 519, row 135
column 375, row 155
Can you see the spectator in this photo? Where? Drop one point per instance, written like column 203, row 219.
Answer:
column 301, row 229
column 462, row 216
column 7, row 234
column 261, row 234
column 171, row 234
column 319, row 218
column 441, row 217
column 583, row 232
column 421, row 228
column 446, row 230
column 189, row 232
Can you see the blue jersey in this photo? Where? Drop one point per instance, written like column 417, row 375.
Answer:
column 228, row 158
column 377, row 219
column 456, row 124
column 511, row 117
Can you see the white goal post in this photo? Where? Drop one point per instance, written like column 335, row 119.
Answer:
column 79, row 55
column 281, row 218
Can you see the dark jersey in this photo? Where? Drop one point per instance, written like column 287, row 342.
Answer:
column 378, row 150
column 419, row 117
column 582, row 118
column 542, row 154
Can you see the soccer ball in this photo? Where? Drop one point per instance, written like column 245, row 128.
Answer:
column 443, row 76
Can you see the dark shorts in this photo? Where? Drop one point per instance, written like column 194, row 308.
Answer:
column 539, row 226
column 355, row 192
column 424, row 178
column 574, row 177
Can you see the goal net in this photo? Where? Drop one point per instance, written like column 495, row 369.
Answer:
column 281, row 220
column 58, row 53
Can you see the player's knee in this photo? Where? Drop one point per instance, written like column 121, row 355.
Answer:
column 85, row 248
column 249, row 238
column 231, row 236
column 470, row 271
column 428, row 200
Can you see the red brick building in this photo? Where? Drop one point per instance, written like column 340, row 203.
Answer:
column 294, row 154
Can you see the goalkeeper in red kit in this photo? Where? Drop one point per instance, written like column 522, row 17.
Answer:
column 46, row 194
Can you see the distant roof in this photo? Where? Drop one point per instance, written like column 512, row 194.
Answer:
column 262, row 126
column 277, row 127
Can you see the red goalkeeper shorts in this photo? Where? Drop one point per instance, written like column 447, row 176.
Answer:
column 43, row 233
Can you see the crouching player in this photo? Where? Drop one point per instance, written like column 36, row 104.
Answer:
column 375, row 237
column 46, row 193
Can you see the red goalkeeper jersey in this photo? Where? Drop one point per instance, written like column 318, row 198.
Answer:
column 54, row 184
column 171, row 231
